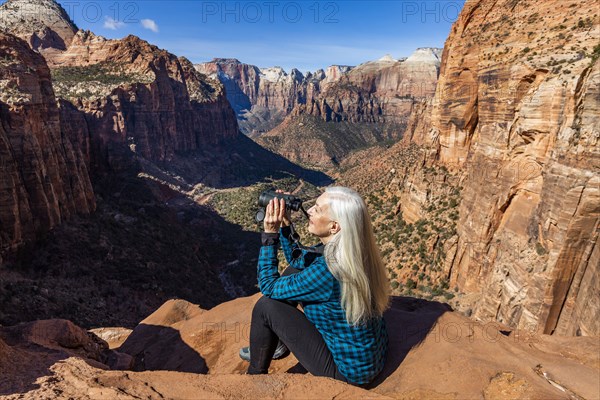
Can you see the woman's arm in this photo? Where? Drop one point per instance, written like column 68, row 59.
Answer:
column 313, row 283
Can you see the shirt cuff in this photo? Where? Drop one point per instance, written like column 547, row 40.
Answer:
column 269, row 239
column 286, row 232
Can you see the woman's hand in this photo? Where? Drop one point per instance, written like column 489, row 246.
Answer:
column 287, row 217
column 275, row 215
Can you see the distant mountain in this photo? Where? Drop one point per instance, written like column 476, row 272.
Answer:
column 262, row 97
column 43, row 24
column 367, row 104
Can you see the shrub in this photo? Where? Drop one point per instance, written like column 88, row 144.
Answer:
column 540, row 249
column 596, row 53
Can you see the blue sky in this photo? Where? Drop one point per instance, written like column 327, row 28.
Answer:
column 303, row 34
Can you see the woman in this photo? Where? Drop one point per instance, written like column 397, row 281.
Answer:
column 341, row 333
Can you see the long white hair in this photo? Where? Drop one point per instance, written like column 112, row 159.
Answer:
column 353, row 257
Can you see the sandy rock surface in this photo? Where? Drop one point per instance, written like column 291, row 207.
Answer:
column 182, row 351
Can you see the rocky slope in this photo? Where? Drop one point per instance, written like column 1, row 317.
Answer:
column 44, row 179
column 434, row 353
column 515, row 121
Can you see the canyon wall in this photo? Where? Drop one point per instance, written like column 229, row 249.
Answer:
column 516, row 118
column 44, row 178
column 136, row 98
column 376, row 91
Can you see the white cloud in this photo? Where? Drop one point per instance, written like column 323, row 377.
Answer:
column 149, row 24
column 111, row 23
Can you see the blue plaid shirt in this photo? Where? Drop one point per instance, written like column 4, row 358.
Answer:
column 358, row 351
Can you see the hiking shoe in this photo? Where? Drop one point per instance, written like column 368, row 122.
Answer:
column 280, row 352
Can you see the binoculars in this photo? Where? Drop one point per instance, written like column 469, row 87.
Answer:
column 291, row 202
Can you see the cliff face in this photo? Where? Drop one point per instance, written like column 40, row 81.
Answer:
column 376, row 91
column 119, row 102
column 44, row 178
column 516, row 118
column 379, row 91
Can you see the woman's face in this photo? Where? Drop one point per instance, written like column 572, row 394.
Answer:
column 319, row 223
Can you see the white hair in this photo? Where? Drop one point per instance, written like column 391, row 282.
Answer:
column 353, row 257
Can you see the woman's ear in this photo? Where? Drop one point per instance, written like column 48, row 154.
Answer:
column 335, row 227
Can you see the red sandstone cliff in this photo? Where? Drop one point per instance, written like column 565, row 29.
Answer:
column 119, row 101
column 379, row 91
column 44, row 178
column 516, row 120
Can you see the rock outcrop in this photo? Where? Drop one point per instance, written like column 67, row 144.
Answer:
column 44, row 179
column 516, row 119
column 433, row 353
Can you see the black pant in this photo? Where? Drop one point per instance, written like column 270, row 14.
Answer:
column 274, row 320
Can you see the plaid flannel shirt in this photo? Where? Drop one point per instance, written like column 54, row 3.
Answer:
column 358, row 351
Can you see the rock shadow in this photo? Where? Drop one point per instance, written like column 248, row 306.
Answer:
column 152, row 348
column 409, row 320
column 238, row 161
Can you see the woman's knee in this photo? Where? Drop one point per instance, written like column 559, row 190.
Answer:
column 262, row 306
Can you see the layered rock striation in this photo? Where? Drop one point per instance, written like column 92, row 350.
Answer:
column 516, row 118
column 45, row 178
